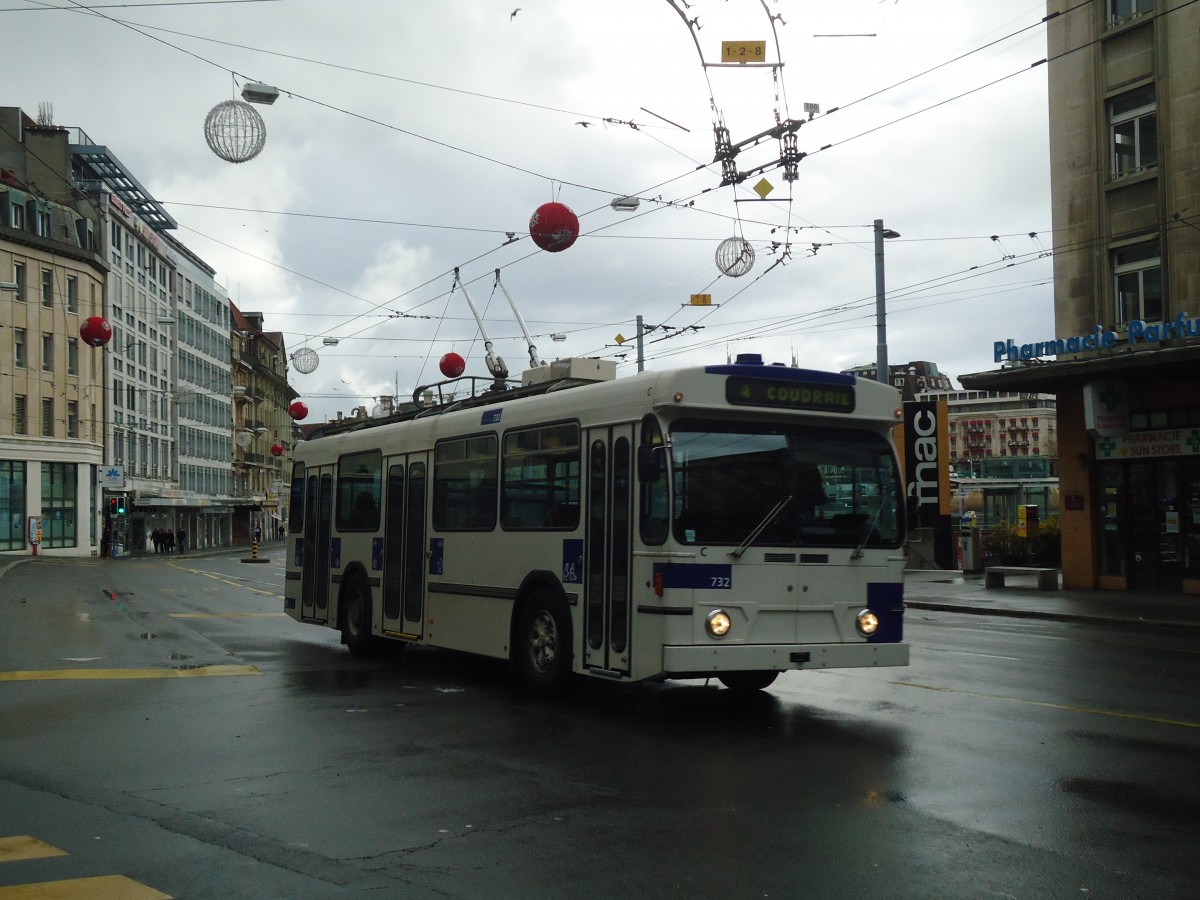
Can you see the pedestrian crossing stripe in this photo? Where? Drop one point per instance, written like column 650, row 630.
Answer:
column 126, row 674
column 22, row 847
column 102, row 887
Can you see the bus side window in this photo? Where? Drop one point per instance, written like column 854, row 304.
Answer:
column 359, row 486
column 296, row 507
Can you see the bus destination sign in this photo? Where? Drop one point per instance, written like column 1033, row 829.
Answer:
column 789, row 394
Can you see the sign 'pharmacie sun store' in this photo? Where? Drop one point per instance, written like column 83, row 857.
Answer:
column 1106, row 401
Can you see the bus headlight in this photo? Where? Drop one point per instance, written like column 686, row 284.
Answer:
column 718, row 623
column 866, row 622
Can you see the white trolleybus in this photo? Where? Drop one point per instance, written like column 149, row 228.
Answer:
column 734, row 521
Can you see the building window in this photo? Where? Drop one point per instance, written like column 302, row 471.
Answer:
column 20, row 354
column 72, row 419
column 1123, row 10
column 1137, row 274
column 47, row 353
column 72, row 293
column 19, row 278
column 47, row 288
column 20, row 415
column 72, row 356
column 47, row 417
column 17, row 211
column 1133, row 124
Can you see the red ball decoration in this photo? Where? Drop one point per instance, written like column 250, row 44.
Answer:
column 96, row 331
column 452, row 365
column 553, row 227
column 297, row 410
column 277, row 449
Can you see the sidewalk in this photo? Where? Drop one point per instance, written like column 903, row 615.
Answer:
column 7, row 562
column 951, row 591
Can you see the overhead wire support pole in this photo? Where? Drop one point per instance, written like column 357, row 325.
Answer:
column 494, row 363
column 881, row 354
column 641, row 359
column 534, row 361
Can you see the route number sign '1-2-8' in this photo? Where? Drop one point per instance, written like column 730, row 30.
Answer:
column 743, row 51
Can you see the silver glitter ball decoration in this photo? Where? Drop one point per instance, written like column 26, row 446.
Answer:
column 735, row 257
column 235, row 131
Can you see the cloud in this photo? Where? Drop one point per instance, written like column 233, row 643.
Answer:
column 409, row 138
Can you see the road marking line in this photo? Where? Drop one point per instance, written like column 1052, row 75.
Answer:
column 119, row 674
column 973, row 653
column 1110, row 713
column 103, row 887
column 21, row 847
column 254, row 615
column 224, row 579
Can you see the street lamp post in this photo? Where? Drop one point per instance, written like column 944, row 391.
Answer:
column 881, row 357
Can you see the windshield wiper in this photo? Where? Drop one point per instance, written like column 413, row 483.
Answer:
column 867, row 530
column 776, row 510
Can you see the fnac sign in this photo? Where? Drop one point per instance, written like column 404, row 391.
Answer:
column 926, row 460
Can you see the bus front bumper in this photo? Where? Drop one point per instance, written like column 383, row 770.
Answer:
column 700, row 662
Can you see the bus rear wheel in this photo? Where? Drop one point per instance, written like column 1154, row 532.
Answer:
column 745, row 682
column 542, row 645
column 356, row 617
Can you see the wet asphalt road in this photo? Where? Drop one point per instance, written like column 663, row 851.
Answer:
column 1011, row 759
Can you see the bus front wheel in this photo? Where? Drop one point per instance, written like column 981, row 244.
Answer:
column 745, row 682
column 356, row 617
column 542, row 649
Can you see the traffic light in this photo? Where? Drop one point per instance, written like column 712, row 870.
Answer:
column 121, row 505
column 112, row 506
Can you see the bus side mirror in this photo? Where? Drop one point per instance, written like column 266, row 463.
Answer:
column 648, row 463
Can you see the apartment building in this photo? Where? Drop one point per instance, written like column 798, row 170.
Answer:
column 1124, row 90
column 52, row 398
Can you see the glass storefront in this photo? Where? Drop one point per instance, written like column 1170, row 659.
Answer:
column 12, row 504
column 59, row 504
column 1149, row 521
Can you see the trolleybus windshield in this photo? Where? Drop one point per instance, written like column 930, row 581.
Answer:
column 728, row 476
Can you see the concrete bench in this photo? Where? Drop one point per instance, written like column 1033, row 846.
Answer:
column 1047, row 579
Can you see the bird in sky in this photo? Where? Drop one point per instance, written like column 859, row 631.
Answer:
column 514, row 13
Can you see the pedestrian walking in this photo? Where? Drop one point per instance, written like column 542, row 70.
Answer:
column 181, row 540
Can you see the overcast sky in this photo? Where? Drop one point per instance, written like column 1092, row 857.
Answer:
column 410, row 137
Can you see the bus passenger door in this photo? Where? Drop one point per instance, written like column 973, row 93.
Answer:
column 404, row 548
column 608, row 550
column 314, row 594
